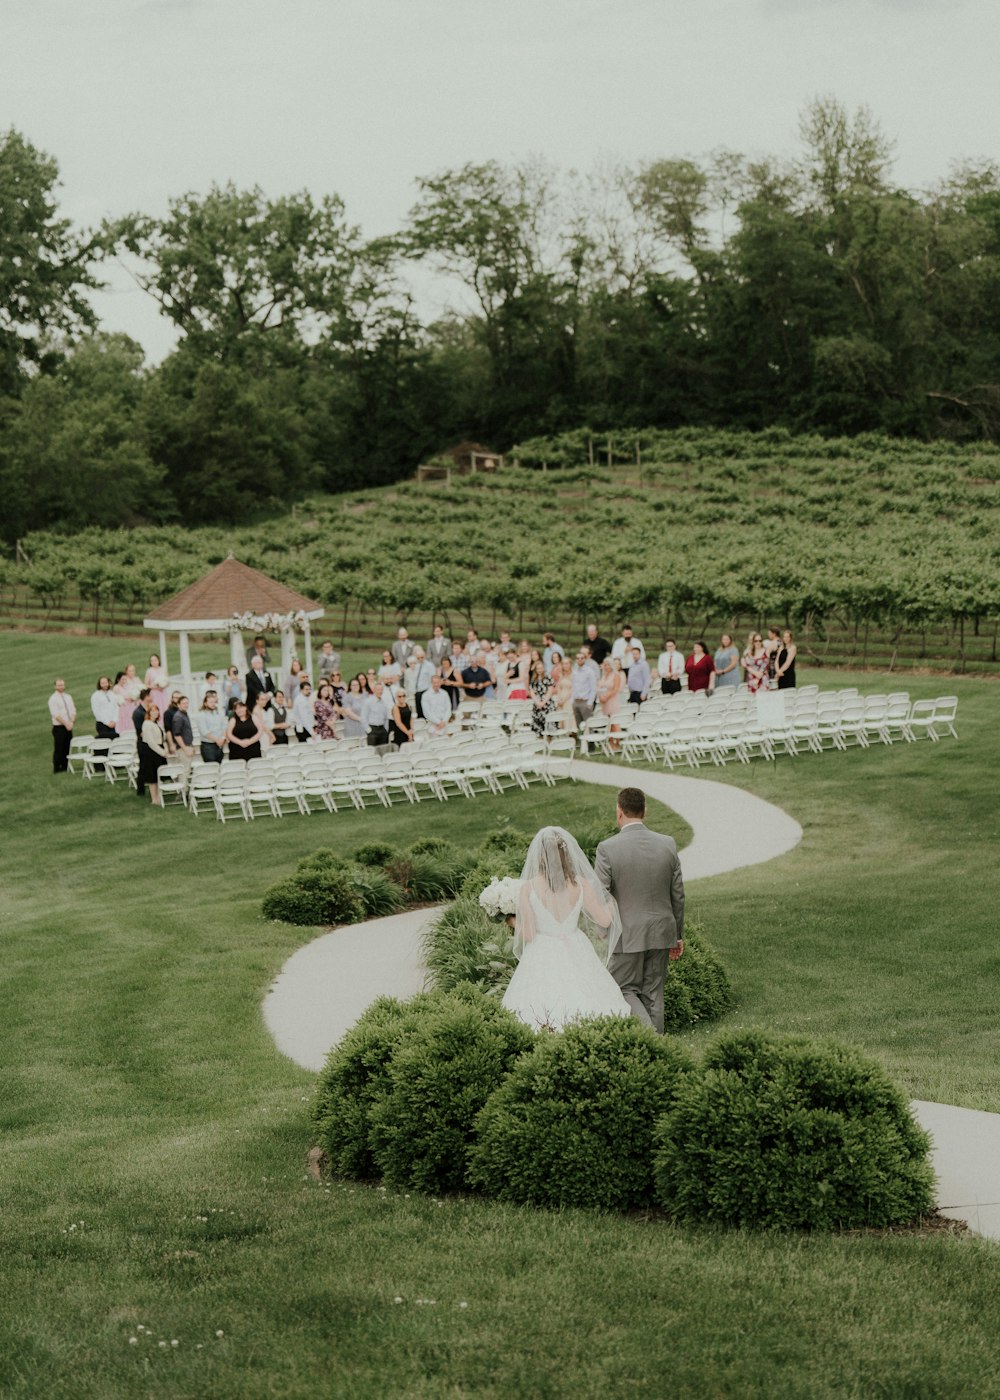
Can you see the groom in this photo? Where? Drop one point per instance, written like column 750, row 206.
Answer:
column 642, row 870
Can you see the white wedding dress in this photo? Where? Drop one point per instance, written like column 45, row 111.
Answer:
column 560, row 977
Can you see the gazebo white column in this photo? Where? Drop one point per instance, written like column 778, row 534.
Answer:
column 307, row 646
column 287, row 646
column 236, row 657
column 163, row 651
column 185, row 658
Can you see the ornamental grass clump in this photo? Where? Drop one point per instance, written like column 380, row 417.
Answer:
column 573, row 1123
column 466, row 945
column 356, row 1076
column 440, row 1076
column 379, row 894
column 792, row 1133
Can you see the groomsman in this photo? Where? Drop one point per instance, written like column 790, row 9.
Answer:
column 63, row 715
column 670, row 667
column 438, row 647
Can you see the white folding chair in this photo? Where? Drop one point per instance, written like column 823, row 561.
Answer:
column 230, row 791
column 202, row 787
column 172, row 781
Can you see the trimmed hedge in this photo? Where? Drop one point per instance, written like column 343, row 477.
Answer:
column 317, row 896
column 778, row 1132
column 439, row 1077
column 356, row 1076
column 573, row 1123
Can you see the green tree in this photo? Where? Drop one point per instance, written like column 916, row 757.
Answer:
column 46, row 267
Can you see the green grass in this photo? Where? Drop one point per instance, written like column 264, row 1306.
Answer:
column 141, row 1092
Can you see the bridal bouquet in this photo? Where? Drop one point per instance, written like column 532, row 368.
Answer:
column 499, row 898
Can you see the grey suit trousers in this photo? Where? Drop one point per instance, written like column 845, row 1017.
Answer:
column 641, row 977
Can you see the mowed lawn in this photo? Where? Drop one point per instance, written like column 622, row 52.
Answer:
column 153, row 1140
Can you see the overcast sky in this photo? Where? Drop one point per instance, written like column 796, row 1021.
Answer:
column 139, row 100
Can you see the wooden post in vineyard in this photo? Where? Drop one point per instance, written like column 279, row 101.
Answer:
column 590, row 450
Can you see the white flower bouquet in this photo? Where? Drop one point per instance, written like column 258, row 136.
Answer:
column 499, row 898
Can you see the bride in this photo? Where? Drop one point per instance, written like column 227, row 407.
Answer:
column 559, row 976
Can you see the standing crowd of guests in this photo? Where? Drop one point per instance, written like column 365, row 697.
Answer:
column 243, row 714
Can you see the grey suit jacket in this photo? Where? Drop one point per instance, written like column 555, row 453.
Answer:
column 642, row 870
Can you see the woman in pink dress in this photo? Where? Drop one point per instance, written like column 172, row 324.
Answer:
column 755, row 664
column 127, row 688
column 156, row 682
column 609, row 693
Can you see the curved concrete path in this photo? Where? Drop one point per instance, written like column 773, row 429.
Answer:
column 325, row 986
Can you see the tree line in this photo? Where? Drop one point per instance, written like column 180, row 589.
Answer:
column 809, row 293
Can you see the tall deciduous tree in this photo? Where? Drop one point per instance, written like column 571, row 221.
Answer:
column 46, row 266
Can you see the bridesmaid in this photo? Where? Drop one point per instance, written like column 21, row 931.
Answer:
column 156, row 683
column 127, row 687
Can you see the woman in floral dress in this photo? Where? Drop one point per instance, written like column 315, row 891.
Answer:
column 325, row 711
column 755, row 664
column 541, row 692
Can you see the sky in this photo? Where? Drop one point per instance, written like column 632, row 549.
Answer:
column 142, row 100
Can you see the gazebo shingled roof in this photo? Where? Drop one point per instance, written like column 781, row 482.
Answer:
column 228, row 590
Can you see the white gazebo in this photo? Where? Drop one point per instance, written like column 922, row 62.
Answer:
column 234, row 598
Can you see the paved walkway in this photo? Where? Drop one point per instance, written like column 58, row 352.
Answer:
column 325, row 986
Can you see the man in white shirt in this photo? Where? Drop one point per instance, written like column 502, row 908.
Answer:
column 418, row 679
column 104, row 708
column 302, row 713
column 376, row 713
column 670, row 667
column 63, row 714
column 622, row 649
column 437, row 708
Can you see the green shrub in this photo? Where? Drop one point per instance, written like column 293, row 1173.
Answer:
column 356, row 1075
column 379, row 894
column 487, row 868
column 590, row 837
column 316, row 896
column 435, row 877
column 432, row 845
column 465, row 945
column 792, row 1133
column 506, row 841
column 440, row 1076
column 376, row 853
column 573, row 1123
column 697, row 987
column 323, row 859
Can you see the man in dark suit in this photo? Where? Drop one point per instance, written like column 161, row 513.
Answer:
column 258, row 679
column 138, row 720
column 642, row 870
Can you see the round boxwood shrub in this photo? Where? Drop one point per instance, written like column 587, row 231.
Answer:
column 323, row 859
column 697, row 987
column 318, row 896
column 376, row 853
column 432, row 845
column 506, row 841
column 779, row 1132
column 465, row 945
column 440, row 1076
column 573, row 1123
column 379, row 894
column 356, row 1075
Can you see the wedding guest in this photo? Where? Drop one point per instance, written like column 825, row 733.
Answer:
column 599, row 646
column 294, row 679
column 488, row 661
column 402, row 648
column 329, row 661
column 168, row 720
column 784, row 662
column 505, row 646
column 437, row 707
column 472, row 642
column 338, row 687
column 609, row 694
column 549, row 647
column 302, row 713
column 362, row 680
column 376, row 715
column 755, row 664
column 624, row 645
column 583, row 691
column 390, row 670
column 128, row 688
column 232, row 687
column 350, row 711
column 670, row 667
column 324, row 713
column 156, row 681
column 258, row 647
column 562, row 685
column 62, row 713
column 281, row 718
column 152, row 755
column 402, row 720
column 451, row 682
column 261, row 716
column 242, row 734
column 418, row 678
column 727, row 664
column 211, row 726
column 699, row 668
column 639, row 678
column 438, row 647
column 180, row 728
column 104, row 708
column 258, row 679
column 519, row 672
column 459, row 657
column 542, row 695
column 772, row 644
column 139, row 715
column 475, row 680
